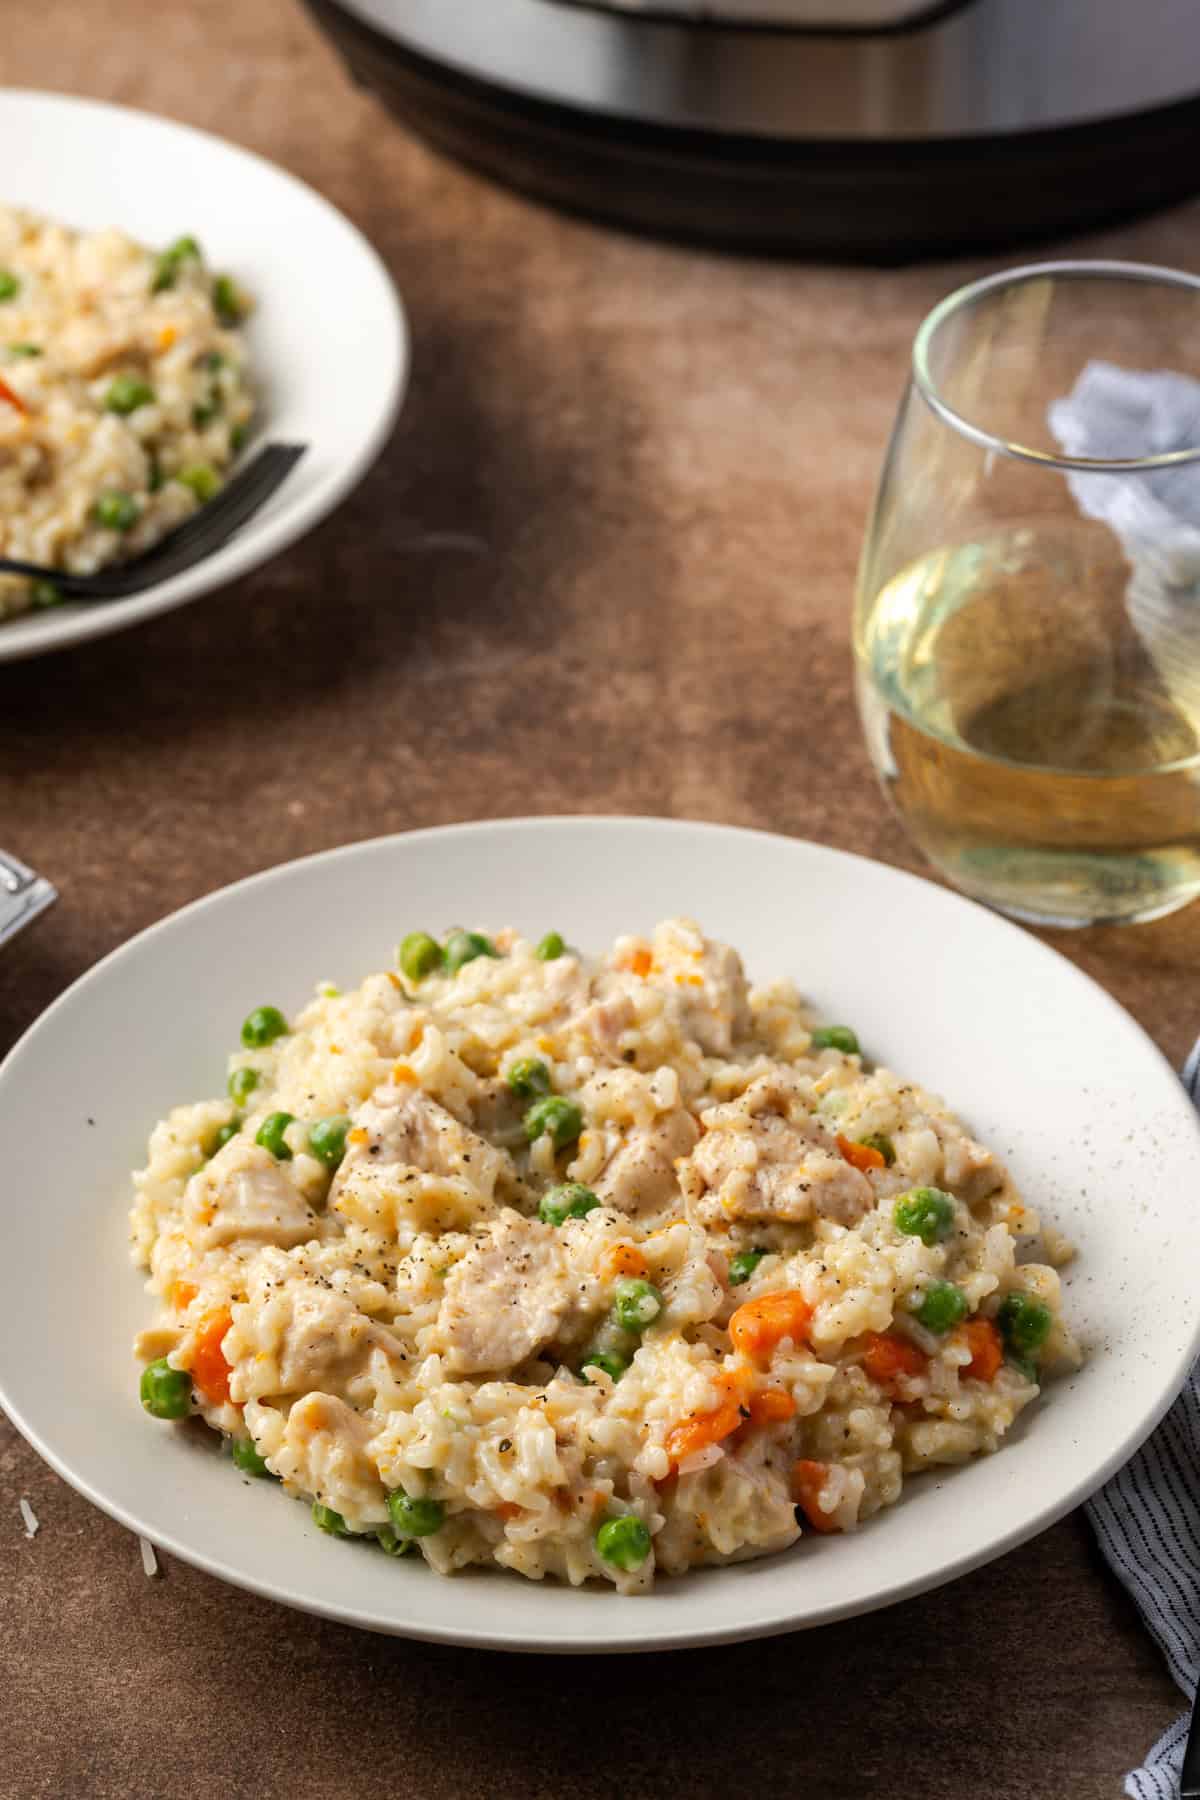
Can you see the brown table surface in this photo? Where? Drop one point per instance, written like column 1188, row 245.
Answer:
column 604, row 565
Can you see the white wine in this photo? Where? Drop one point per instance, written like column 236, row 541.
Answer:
column 1032, row 706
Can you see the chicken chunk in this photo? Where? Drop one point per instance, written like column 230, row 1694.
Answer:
column 706, row 980
column 765, row 1157
column 640, row 1177
column 411, row 1166
column 245, row 1195
column 505, row 1299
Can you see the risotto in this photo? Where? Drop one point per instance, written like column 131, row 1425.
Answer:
column 588, row 1269
column 123, row 395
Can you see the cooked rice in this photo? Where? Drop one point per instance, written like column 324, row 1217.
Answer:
column 78, row 312
column 409, row 1325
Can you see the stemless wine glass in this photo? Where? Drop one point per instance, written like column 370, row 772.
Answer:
column 1027, row 628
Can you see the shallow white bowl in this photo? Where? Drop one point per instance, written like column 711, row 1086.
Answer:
column 1043, row 1064
column 328, row 339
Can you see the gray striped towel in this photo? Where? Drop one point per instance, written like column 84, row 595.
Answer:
column 1146, row 1524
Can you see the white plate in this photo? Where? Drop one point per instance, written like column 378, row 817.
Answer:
column 1045, row 1066
column 328, row 339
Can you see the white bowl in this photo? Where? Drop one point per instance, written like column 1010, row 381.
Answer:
column 1047, row 1068
column 328, row 339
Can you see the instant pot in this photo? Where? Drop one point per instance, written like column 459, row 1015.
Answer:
column 875, row 129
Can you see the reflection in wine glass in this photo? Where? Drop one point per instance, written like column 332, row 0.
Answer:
column 1027, row 629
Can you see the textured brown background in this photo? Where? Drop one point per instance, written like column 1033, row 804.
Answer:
column 605, row 564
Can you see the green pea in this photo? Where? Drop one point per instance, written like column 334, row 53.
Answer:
column 238, row 436
column 608, row 1360
column 246, row 1457
column 166, row 1392
column 224, row 1134
column 414, row 1518
column 636, row 1303
column 167, row 264
column 529, row 1078
column 10, row 285
column 926, row 1213
column 743, row 1265
column 387, row 1540
column 570, row 1200
column 242, row 1084
column 835, row 1037
column 880, row 1141
column 227, row 300
column 1024, row 1324
column 44, row 594
column 201, row 478
column 560, row 1118
column 262, row 1027
column 116, row 511
column 419, row 955
column 942, row 1306
column 126, row 393
column 327, row 1139
column 326, row 1519
column 464, row 946
column 19, row 351
column 270, row 1135
column 550, row 948
column 624, row 1542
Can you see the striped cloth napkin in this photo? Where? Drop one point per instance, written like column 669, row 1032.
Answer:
column 1146, row 1524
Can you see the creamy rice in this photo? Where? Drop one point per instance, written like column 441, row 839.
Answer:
column 802, row 1278
column 123, row 394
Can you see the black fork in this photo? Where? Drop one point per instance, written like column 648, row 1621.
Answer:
column 207, row 529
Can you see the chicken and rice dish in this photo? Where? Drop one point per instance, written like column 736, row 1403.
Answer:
column 123, row 395
column 590, row 1269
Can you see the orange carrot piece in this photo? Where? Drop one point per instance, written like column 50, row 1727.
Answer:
column 622, row 1259
column 771, row 1406
column 987, row 1354
column 888, row 1358
column 860, row 1156
column 808, row 1478
column 760, row 1326
column 210, row 1371
column 11, row 395
column 182, row 1295
column 702, row 1429
column 638, row 962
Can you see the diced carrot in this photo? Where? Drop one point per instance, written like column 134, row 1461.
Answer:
column 987, row 1354
column 638, row 962
column 770, row 1406
column 760, row 1326
column 166, row 337
column 210, row 1371
column 402, row 1075
column 11, row 395
column 888, row 1358
column 622, row 1259
column 182, row 1294
column 860, row 1156
column 808, row 1478
column 702, row 1429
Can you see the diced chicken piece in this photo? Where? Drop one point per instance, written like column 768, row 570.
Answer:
column 972, row 1171
column 765, row 1157
column 707, row 982
column 411, row 1166
column 245, row 1195
column 324, row 1451
column 505, row 1299
column 602, row 1021
column 641, row 1177
column 300, row 1335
